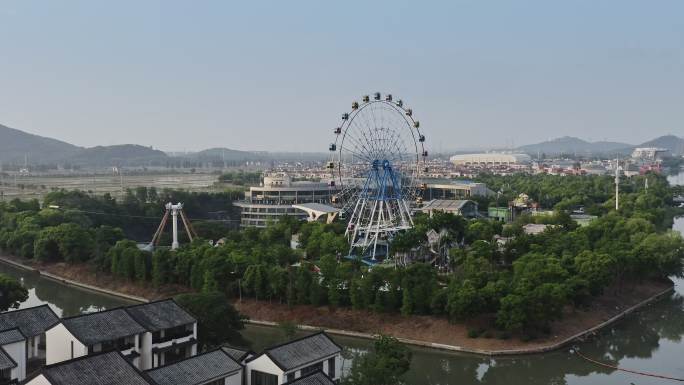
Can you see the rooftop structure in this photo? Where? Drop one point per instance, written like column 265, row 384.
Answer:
column 466, row 208
column 534, row 229
column 31, row 321
column 315, row 378
column 295, row 359
column 238, row 355
column 490, row 159
column 105, row 369
column 454, row 189
column 107, row 325
column 649, row 153
column 150, row 334
column 276, row 197
column 213, row 367
column 159, row 315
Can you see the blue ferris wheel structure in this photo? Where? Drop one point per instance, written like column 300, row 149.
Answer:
column 377, row 162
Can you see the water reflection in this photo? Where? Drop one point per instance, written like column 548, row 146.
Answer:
column 64, row 300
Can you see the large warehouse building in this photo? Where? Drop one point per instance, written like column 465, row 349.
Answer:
column 276, row 197
column 454, row 189
column 490, row 159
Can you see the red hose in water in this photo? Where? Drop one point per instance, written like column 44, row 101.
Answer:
column 626, row 370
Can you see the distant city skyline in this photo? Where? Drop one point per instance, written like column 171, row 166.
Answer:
column 276, row 76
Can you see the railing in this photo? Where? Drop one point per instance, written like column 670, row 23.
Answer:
column 171, row 336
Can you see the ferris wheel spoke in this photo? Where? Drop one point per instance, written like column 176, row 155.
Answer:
column 356, row 153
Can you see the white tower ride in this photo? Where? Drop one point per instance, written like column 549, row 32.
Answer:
column 175, row 210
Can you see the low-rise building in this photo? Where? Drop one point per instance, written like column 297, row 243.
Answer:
column 490, row 159
column 92, row 333
column 110, row 368
column 149, row 335
column 12, row 356
column 315, row 378
column 276, row 197
column 32, row 323
column 215, row 367
column 454, row 189
column 170, row 332
column 465, row 208
column 295, row 359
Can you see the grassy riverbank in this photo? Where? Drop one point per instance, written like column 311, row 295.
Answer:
column 421, row 330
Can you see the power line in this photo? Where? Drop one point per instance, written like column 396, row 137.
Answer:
column 624, row 370
column 148, row 217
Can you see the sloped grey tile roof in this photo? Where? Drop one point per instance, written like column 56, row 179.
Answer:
column 196, row 370
column 237, row 354
column 316, row 378
column 303, row 351
column 31, row 321
column 93, row 328
column 102, row 369
column 6, row 362
column 10, row 336
column 160, row 315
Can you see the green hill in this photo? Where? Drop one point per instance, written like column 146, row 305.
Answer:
column 16, row 146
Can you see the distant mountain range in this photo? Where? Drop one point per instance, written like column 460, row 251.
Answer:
column 572, row 145
column 17, row 147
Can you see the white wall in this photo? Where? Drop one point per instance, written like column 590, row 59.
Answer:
column 146, row 351
column 17, row 351
column 235, row 379
column 58, row 345
column 39, row 380
column 263, row 364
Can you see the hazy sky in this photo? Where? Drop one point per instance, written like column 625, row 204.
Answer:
column 277, row 75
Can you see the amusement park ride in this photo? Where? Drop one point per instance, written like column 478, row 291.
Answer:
column 175, row 210
column 377, row 159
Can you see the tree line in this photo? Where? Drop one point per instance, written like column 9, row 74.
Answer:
column 519, row 282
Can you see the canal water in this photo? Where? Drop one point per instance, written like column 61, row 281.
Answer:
column 651, row 340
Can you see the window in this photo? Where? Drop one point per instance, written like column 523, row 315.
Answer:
column 331, row 367
column 312, row 368
column 72, row 349
column 6, row 374
column 290, row 377
column 261, row 378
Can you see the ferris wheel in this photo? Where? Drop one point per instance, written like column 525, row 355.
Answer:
column 378, row 157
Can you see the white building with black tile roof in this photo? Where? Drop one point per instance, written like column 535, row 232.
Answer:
column 93, row 333
column 295, row 359
column 314, row 378
column 171, row 332
column 32, row 322
column 150, row 334
column 239, row 355
column 110, row 368
column 215, row 367
column 12, row 356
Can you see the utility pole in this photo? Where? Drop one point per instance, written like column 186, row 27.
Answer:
column 617, row 184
